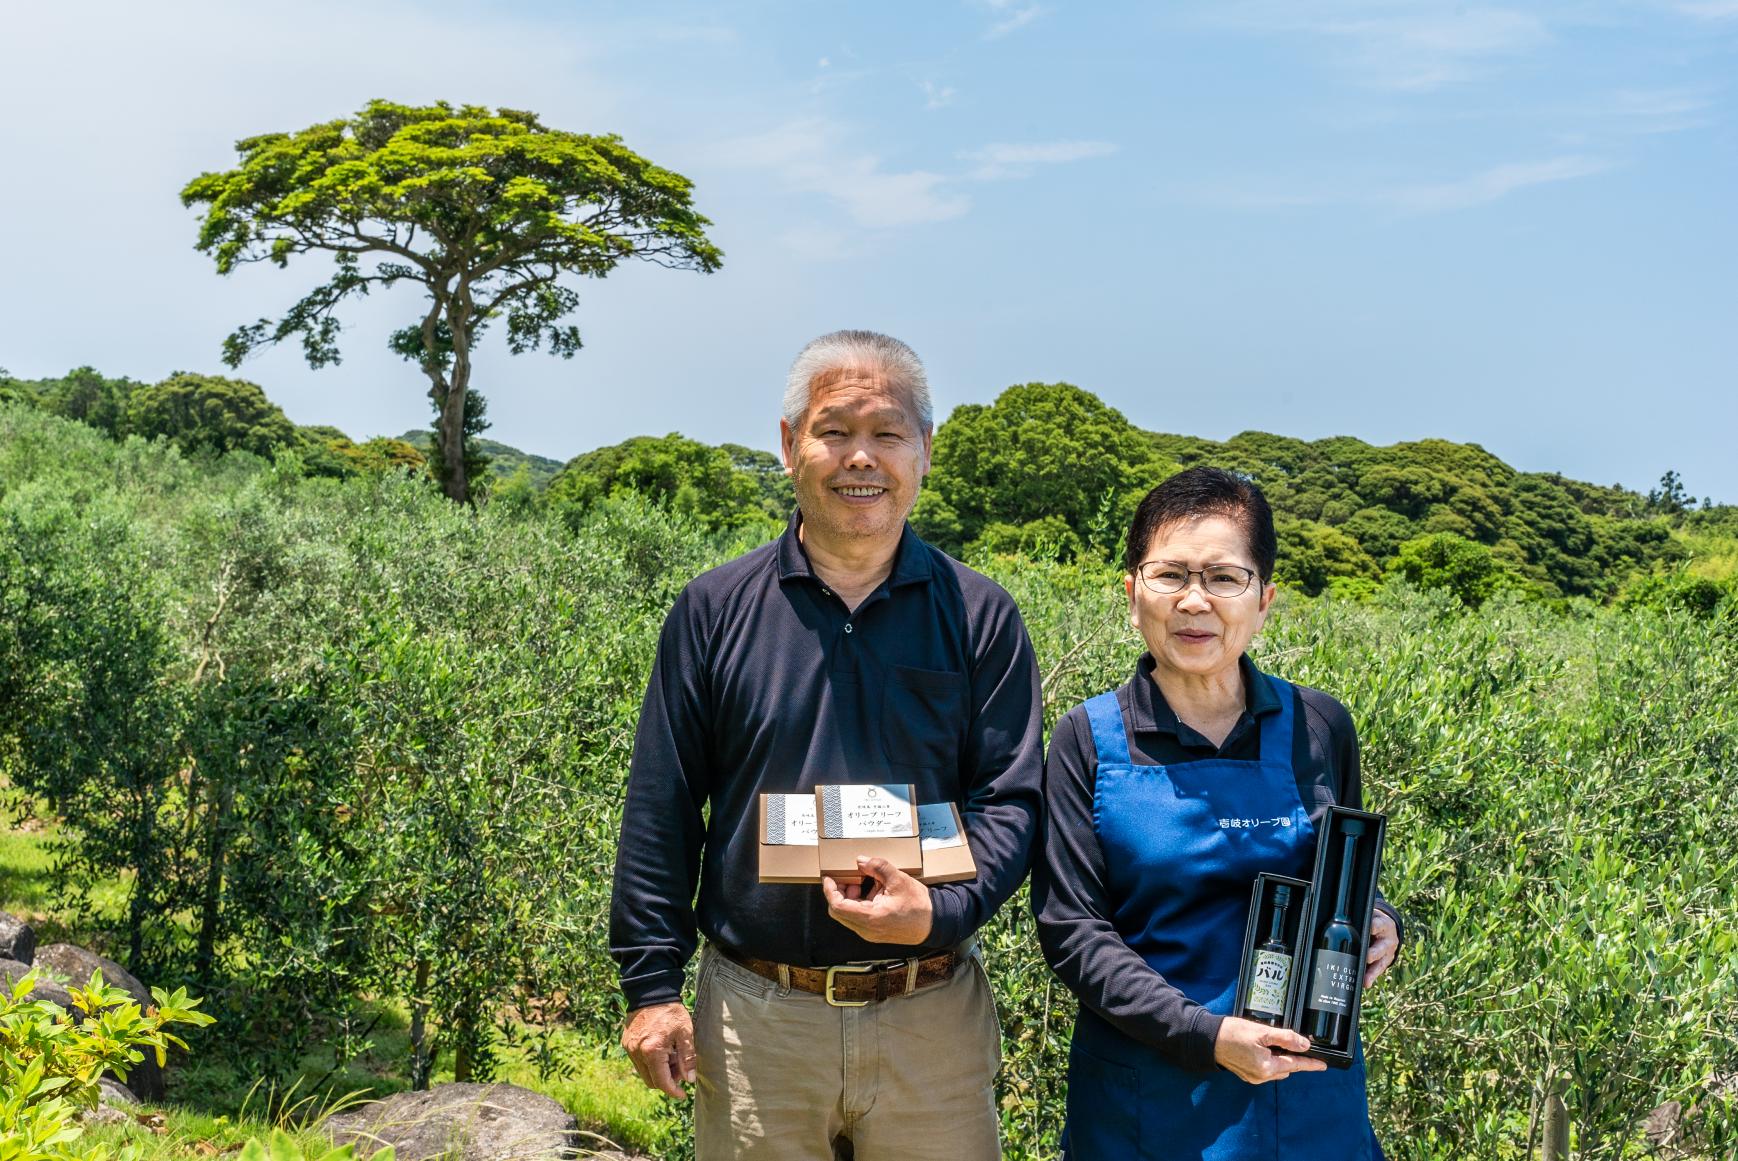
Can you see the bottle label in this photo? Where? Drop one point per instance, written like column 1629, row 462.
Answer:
column 1331, row 986
column 1267, row 987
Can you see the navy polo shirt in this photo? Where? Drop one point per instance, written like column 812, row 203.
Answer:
column 765, row 682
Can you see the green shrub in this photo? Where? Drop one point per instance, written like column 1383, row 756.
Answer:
column 51, row 1059
column 1680, row 591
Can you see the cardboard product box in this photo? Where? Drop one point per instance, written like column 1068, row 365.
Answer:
column 1278, row 980
column 947, row 855
column 790, row 842
column 867, row 821
column 788, row 839
column 1329, row 989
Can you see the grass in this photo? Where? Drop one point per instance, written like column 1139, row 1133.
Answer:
column 26, row 872
column 214, row 1107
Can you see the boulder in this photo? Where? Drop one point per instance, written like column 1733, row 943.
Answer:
column 46, row 987
column 112, row 1104
column 75, row 965
column 17, row 939
column 1665, row 1125
column 116, row 1093
column 464, row 1122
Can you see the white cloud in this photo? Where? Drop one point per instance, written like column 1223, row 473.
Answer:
column 1710, row 9
column 1478, row 189
column 1409, row 45
column 810, row 156
column 998, row 161
column 1010, row 16
column 1491, row 184
column 936, row 96
column 1658, row 110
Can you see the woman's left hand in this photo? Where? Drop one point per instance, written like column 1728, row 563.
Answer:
column 1384, row 945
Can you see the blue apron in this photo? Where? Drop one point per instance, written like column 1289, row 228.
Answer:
column 1182, row 845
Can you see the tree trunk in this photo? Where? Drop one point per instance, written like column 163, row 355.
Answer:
column 1556, row 1126
column 139, row 904
column 464, row 1036
column 447, row 393
column 420, row 1063
column 452, row 449
column 216, row 848
column 458, row 488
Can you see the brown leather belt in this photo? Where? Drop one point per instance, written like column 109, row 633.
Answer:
column 850, row 985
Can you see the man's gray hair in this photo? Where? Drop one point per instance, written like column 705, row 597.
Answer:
column 898, row 362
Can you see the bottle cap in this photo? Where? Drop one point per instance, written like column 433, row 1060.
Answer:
column 1282, row 895
column 1352, row 826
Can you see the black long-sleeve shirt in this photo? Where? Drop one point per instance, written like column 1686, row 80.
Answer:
column 765, row 682
column 1070, row 897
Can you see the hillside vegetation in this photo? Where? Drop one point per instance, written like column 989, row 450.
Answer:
column 317, row 742
column 1048, row 470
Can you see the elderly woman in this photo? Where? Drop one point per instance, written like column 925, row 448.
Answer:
column 1141, row 891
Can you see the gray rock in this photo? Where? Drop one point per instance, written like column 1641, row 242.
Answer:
column 1665, row 1124
column 112, row 1106
column 75, row 965
column 46, row 988
column 467, row 1122
column 116, row 1093
column 105, row 1115
column 17, row 939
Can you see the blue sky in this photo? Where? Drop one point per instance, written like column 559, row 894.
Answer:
column 1392, row 219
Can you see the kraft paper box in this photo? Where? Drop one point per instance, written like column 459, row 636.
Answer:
column 788, row 835
column 867, row 822
column 947, row 856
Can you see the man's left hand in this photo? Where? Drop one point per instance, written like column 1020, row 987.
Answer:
column 1384, row 945
column 888, row 906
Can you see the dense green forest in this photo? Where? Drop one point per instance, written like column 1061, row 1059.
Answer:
column 1049, row 470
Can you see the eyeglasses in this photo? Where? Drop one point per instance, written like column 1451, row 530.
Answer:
column 1217, row 580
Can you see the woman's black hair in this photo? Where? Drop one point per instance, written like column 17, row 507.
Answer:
column 1197, row 492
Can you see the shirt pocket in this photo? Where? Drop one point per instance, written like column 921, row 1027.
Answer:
column 923, row 717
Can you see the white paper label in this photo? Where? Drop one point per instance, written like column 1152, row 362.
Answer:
column 790, row 820
column 935, row 825
column 866, row 812
column 1267, row 987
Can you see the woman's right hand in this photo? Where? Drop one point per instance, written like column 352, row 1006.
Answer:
column 1247, row 1048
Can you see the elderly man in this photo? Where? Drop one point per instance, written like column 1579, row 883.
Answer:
column 848, row 650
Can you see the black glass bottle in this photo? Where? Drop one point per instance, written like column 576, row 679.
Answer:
column 1336, row 960
column 1272, row 970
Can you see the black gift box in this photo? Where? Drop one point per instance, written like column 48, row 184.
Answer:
column 1255, row 934
column 1308, row 919
column 1330, row 851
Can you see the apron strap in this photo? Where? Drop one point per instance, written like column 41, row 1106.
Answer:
column 1109, row 737
column 1276, row 729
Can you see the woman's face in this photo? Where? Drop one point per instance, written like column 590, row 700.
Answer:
column 1191, row 632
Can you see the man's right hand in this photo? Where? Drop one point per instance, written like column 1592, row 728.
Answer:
column 1247, row 1048
column 660, row 1041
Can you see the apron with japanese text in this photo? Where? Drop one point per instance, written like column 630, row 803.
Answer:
column 1182, row 846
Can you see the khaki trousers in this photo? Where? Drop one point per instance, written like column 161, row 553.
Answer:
column 784, row 1075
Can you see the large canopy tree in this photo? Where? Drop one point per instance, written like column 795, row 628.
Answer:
column 485, row 210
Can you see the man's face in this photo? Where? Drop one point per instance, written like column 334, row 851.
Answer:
column 857, row 457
